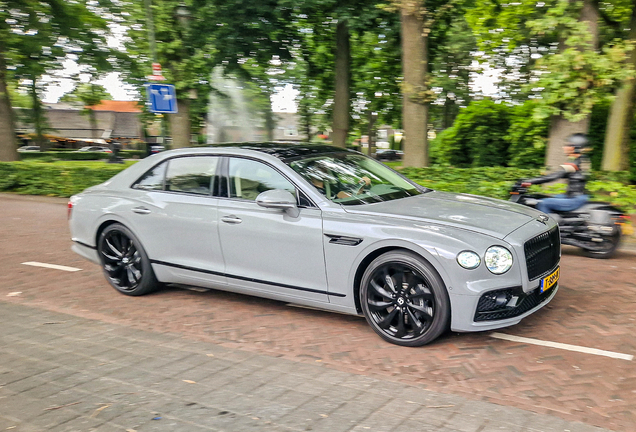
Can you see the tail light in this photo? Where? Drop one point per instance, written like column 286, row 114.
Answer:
column 70, row 209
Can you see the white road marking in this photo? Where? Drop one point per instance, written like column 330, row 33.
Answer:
column 52, row 266
column 563, row 346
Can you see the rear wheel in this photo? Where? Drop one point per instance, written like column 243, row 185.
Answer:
column 125, row 263
column 608, row 247
column 404, row 300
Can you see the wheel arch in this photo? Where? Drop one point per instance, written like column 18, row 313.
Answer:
column 366, row 261
column 102, row 226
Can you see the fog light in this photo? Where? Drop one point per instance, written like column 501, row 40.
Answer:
column 468, row 259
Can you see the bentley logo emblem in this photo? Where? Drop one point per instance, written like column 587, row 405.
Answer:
column 542, row 218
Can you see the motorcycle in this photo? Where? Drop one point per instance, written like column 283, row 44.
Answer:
column 595, row 227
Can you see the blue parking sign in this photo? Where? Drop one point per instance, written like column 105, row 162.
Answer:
column 162, row 98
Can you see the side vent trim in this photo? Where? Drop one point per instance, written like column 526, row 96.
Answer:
column 343, row 240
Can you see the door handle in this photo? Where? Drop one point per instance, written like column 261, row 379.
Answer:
column 231, row 219
column 141, row 210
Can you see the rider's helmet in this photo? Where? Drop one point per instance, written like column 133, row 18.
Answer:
column 579, row 141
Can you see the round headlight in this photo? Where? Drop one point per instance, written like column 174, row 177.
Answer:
column 498, row 259
column 469, row 260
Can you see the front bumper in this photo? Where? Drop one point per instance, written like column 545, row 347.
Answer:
column 527, row 304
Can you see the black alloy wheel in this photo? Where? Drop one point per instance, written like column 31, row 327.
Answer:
column 404, row 299
column 607, row 248
column 125, row 263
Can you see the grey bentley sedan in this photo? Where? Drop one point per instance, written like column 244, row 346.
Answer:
column 323, row 227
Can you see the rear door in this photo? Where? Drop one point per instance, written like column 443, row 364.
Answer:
column 175, row 215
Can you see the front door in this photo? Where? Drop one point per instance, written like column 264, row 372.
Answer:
column 266, row 249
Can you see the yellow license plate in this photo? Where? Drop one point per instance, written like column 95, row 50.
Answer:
column 627, row 229
column 550, row 280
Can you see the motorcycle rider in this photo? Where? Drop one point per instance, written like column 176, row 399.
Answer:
column 576, row 171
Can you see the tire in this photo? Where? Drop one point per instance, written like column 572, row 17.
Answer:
column 612, row 242
column 404, row 300
column 124, row 261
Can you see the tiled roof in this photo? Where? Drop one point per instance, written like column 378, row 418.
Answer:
column 117, row 106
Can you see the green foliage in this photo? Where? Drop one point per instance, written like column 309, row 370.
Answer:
column 489, row 181
column 527, row 137
column 33, row 178
column 495, row 182
column 450, row 69
column 477, row 138
column 88, row 94
column 70, row 177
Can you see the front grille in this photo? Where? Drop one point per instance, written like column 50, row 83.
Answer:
column 542, row 253
column 489, row 310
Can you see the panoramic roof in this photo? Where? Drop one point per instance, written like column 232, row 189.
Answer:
column 287, row 150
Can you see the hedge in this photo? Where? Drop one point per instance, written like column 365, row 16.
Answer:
column 68, row 178
column 37, row 178
column 75, row 155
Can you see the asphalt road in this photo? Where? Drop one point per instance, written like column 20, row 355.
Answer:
column 594, row 309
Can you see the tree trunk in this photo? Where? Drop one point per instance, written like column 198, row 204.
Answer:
column 341, row 98
column 38, row 118
column 446, row 117
column 180, row 124
column 414, row 112
column 303, row 112
column 92, row 118
column 8, row 143
column 270, row 123
column 560, row 128
column 371, row 119
column 617, row 143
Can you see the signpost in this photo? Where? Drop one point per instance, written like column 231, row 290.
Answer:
column 162, row 98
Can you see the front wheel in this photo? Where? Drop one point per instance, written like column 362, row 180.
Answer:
column 404, row 300
column 125, row 263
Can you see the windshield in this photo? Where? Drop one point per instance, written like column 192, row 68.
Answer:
column 353, row 179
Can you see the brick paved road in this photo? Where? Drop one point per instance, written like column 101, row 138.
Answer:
column 63, row 373
column 595, row 308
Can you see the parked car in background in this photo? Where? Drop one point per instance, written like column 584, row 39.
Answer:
column 29, row 149
column 95, row 149
column 388, row 154
column 156, row 148
column 323, row 227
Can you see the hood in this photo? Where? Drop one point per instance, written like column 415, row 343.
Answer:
column 493, row 217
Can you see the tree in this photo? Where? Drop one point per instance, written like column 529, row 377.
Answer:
column 477, row 137
column 450, row 71
column 341, row 97
column 616, row 155
column 90, row 95
column 36, row 38
column 569, row 68
column 415, row 68
column 195, row 36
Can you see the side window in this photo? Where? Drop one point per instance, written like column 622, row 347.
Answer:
column 153, row 179
column 249, row 178
column 192, row 174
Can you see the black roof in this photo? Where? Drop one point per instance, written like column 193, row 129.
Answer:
column 285, row 151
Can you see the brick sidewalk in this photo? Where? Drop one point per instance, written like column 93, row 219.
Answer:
column 60, row 372
column 594, row 308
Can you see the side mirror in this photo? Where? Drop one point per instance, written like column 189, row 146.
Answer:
column 279, row 199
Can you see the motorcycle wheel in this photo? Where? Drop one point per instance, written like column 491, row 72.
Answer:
column 608, row 247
